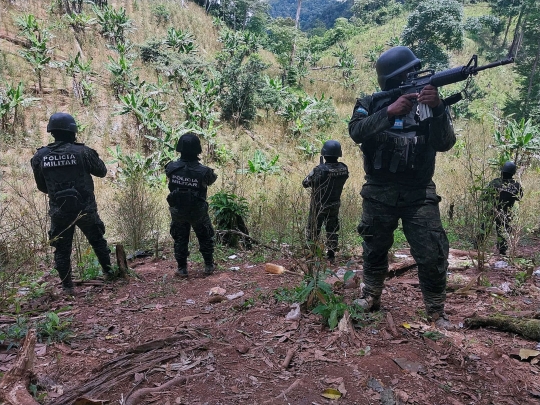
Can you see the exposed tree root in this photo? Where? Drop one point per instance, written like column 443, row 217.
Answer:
column 123, row 367
column 136, row 397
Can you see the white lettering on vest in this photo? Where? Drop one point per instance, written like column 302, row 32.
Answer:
column 57, row 163
column 184, row 181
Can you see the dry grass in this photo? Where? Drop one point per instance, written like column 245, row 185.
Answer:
column 279, row 205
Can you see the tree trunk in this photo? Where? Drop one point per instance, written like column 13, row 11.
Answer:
column 121, row 260
column 13, row 386
column 506, row 31
column 297, row 20
column 531, row 77
column 518, row 34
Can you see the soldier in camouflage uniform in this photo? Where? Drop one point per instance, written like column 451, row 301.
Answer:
column 326, row 182
column 63, row 170
column 502, row 192
column 188, row 184
column 399, row 161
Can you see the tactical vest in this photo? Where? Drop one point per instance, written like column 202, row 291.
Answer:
column 186, row 184
column 396, row 149
column 328, row 185
column 509, row 193
column 69, row 185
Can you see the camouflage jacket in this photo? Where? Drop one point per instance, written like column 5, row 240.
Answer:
column 399, row 157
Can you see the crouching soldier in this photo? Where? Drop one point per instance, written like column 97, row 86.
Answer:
column 326, row 182
column 63, row 170
column 188, row 184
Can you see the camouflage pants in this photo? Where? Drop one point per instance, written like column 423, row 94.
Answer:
column 180, row 230
column 503, row 227
column 327, row 216
column 61, row 238
column 427, row 239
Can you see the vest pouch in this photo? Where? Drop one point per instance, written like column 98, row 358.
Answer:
column 185, row 200
column 69, row 201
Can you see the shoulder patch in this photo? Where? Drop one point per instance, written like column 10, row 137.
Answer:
column 361, row 110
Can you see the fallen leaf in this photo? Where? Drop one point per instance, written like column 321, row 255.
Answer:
column 410, row 366
column 214, row 299
column 233, row 296
column 331, row 393
column 217, row 291
column 118, row 301
column 406, row 325
column 337, row 380
column 40, row 350
column 89, row 401
column 524, row 354
column 139, row 377
column 242, row 349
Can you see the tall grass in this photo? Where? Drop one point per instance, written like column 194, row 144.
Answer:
column 278, row 205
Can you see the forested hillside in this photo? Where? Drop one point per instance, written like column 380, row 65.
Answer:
column 263, row 93
column 314, row 13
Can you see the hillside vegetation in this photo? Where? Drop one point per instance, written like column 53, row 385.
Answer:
column 138, row 74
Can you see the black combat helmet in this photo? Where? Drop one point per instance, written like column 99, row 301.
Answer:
column 509, row 168
column 189, row 144
column 393, row 62
column 331, row 148
column 61, row 122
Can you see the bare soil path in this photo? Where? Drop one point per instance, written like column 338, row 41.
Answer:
column 163, row 340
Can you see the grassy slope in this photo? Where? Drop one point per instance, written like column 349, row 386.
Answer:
column 104, row 130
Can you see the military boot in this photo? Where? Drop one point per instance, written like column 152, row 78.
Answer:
column 369, row 303
column 68, row 290
column 181, row 271
column 331, row 256
column 209, row 269
column 442, row 321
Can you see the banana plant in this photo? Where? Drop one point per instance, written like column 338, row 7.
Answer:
column 518, row 141
column 10, row 101
column 181, row 41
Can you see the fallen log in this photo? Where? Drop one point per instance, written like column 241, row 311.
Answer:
column 528, row 328
column 13, row 386
column 14, row 40
column 468, row 253
column 397, row 269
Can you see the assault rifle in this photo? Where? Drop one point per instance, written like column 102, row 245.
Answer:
column 416, row 81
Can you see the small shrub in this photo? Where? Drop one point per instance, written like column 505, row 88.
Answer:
column 54, row 329
column 161, row 13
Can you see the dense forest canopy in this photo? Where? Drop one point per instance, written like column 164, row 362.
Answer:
column 315, row 13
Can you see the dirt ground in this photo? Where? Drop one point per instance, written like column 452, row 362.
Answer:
column 166, row 334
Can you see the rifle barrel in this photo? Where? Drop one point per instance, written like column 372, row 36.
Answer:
column 493, row 64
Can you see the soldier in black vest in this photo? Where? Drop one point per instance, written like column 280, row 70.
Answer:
column 502, row 193
column 399, row 148
column 63, row 170
column 188, row 184
column 326, row 182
